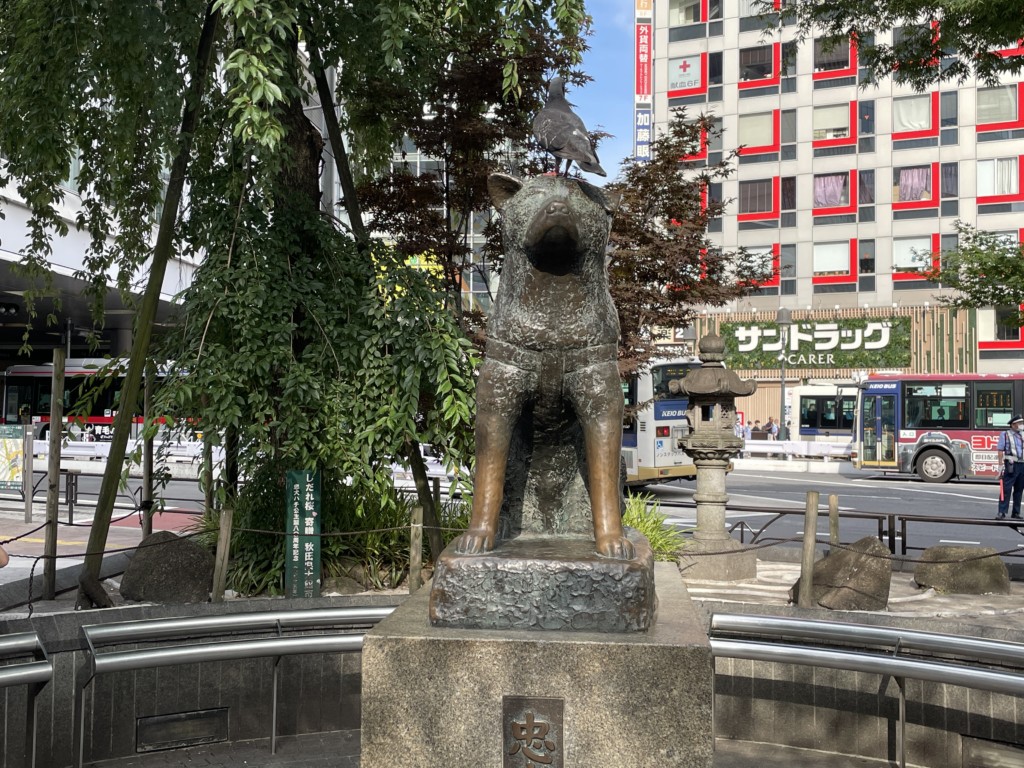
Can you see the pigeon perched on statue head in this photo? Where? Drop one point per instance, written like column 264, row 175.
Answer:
column 560, row 131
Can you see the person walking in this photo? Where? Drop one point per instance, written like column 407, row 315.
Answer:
column 1011, row 482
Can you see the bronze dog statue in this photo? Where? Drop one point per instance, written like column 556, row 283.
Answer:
column 551, row 353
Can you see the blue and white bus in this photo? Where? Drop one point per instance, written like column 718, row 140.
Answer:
column 655, row 420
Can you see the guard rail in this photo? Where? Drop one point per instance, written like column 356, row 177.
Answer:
column 35, row 674
column 799, row 641
column 155, row 631
column 799, row 448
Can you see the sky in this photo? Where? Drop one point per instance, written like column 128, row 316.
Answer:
column 607, row 102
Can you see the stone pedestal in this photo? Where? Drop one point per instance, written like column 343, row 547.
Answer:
column 484, row 698
column 545, row 583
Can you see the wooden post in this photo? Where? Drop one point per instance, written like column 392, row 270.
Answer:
column 147, row 451
column 28, row 459
column 207, row 474
column 53, row 475
column 833, row 520
column 416, row 549
column 805, row 598
column 220, row 563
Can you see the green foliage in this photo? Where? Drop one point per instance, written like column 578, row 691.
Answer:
column 644, row 514
column 663, row 267
column 987, row 270
column 373, row 546
column 962, row 34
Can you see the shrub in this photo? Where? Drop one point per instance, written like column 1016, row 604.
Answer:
column 644, row 514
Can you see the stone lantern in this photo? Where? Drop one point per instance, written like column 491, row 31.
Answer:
column 712, row 443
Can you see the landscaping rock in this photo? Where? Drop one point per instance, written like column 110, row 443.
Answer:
column 856, row 578
column 341, row 585
column 968, row 574
column 168, row 569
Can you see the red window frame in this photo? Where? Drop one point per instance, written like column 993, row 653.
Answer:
column 776, row 142
column 1010, row 125
column 776, row 76
column 933, row 202
column 936, row 248
column 844, row 141
column 922, row 134
column 849, row 277
column 1014, row 198
column 839, row 210
column 703, row 87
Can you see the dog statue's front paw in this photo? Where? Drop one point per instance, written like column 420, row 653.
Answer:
column 615, row 547
column 474, row 542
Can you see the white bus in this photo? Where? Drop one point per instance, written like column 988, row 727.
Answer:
column 655, row 420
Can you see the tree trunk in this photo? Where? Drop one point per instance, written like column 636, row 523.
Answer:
column 147, row 312
column 431, row 515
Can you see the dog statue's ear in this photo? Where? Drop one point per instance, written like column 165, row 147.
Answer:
column 607, row 199
column 501, row 187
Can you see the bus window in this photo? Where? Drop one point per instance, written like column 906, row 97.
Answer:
column 928, row 406
column 829, row 419
column 849, row 407
column 666, row 379
column 993, row 405
column 809, row 412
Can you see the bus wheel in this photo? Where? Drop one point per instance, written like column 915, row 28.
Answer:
column 935, row 466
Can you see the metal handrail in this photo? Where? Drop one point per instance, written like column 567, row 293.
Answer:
column 1000, row 652
column 35, row 674
column 181, row 628
column 854, row 659
column 274, row 646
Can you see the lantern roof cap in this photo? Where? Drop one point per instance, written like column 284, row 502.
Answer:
column 713, row 378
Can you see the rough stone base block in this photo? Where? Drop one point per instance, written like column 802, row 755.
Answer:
column 438, row 696
column 547, row 583
column 718, row 560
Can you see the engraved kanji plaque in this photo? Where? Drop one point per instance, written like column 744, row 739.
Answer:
column 533, row 732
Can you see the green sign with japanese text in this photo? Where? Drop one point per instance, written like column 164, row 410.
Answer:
column 302, row 561
column 858, row 343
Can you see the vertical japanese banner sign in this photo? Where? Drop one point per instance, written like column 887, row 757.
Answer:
column 644, row 87
column 302, row 562
column 12, row 456
column 642, row 134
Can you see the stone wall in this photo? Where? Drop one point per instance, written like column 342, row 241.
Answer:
column 857, row 713
column 317, row 693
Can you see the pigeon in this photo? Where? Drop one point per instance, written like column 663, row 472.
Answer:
column 560, row 131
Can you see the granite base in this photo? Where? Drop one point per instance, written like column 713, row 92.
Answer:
column 440, row 696
column 545, row 583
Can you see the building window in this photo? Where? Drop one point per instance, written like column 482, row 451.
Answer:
column 912, row 183
column 788, row 193
column 997, row 105
column 756, row 63
column 831, row 258
column 997, row 177
column 754, row 8
column 789, row 51
column 910, row 254
column 787, row 270
column 866, row 187
column 829, row 56
column 949, row 180
column 866, row 113
column 1007, row 327
column 831, row 190
column 715, row 68
column 831, row 122
column 949, row 107
column 684, row 74
column 757, row 130
column 912, row 113
column 683, row 12
column 755, row 196
column 866, row 257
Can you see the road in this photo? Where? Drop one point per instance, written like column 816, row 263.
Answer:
column 966, row 509
column 755, row 498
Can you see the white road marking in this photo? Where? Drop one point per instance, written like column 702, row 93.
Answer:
column 956, row 541
column 864, row 485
